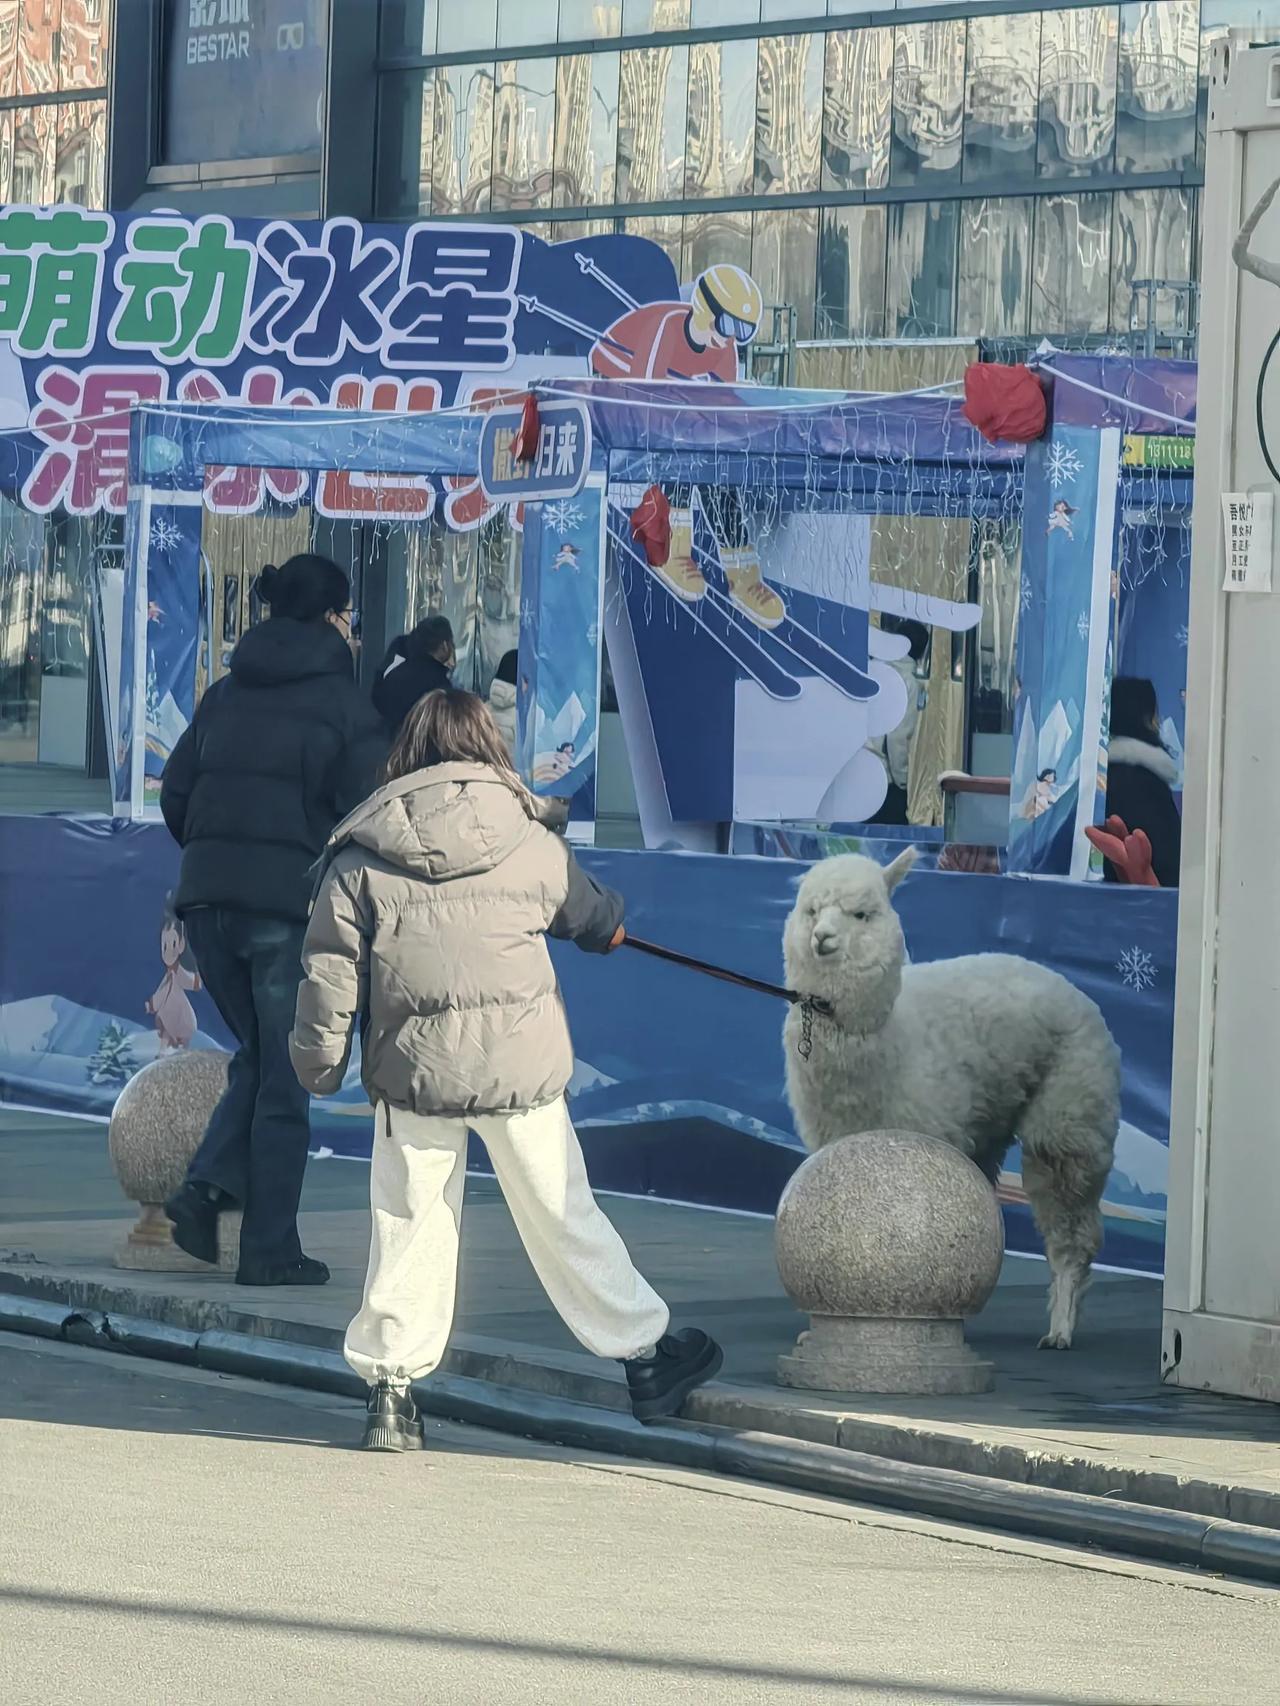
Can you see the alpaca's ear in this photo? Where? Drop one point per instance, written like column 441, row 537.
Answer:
column 894, row 873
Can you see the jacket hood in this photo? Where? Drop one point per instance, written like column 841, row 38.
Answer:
column 282, row 649
column 502, row 695
column 454, row 820
column 1126, row 750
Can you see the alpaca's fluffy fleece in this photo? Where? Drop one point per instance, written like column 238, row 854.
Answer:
column 979, row 1051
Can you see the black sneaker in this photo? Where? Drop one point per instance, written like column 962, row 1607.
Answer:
column 660, row 1384
column 194, row 1208
column 305, row 1271
column 394, row 1423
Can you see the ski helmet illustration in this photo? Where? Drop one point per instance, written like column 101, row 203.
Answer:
column 727, row 300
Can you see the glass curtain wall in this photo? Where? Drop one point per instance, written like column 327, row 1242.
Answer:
column 53, row 148
column 1009, row 175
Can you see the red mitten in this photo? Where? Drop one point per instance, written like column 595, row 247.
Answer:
column 524, row 446
column 651, row 526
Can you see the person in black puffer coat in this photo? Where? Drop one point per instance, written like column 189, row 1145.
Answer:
column 1140, row 777
column 278, row 752
column 417, row 663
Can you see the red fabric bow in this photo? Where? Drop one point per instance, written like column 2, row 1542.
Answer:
column 651, row 526
column 524, row 446
column 1129, row 851
column 1006, row 404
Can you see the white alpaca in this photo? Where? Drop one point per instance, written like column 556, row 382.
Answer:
column 978, row 1051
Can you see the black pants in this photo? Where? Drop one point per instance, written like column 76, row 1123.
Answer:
column 723, row 509
column 255, row 1147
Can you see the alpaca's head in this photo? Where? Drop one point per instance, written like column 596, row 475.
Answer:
column 843, row 942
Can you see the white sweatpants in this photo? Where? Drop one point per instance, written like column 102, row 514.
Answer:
column 415, row 1191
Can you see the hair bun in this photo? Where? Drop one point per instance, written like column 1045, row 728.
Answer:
column 268, row 582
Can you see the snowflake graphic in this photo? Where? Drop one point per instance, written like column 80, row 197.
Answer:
column 528, row 617
column 593, row 635
column 1182, row 636
column 1025, row 594
column 164, row 535
column 564, row 517
column 1137, row 969
column 1082, row 624
column 1063, row 464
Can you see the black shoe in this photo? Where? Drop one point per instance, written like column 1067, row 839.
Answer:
column 394, row 1423
column 660, row 1384
column 305, row 1271
column 194, row 1208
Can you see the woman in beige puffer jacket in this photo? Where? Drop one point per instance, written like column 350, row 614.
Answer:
column 428, row 932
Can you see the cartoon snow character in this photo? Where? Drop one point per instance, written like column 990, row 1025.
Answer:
column 174, row 1015
column 1060, row 518
column 554, row 766
column 698, row 340
column 1040, row 795
column 566, row 557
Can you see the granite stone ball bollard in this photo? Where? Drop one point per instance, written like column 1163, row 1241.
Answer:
column 888, row 1240
column 156, row 1127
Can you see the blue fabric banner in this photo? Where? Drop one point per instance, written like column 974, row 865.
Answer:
column 679, row 1084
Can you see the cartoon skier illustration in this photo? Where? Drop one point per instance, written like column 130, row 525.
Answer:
column 566, row 557
column 698, row 340
column 174, row 1015
column 1060, row 519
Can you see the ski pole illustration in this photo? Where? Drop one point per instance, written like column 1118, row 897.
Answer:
column 590, row 269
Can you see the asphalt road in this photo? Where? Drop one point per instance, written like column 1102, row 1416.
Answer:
column 168, row 1536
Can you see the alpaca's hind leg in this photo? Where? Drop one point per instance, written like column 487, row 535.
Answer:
column 1065, row 1191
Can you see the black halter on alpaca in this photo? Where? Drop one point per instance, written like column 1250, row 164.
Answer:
column 808, row 1004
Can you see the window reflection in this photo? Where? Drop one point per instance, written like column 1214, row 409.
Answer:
column 6, row 155
column 404, row 145
column 789, row 114
column 858, row 104
column 467, row 24
column 921, row 274
column 574, row 230
column 851, row 273
column 524, row 128
column 83, row 36
column 10, row 10
column 1157, row 85
column 33, row 154
column 586, row 129
column 462, row 138
column 38, row 47
column 651, row 123
column 1072, row 264
column 928, row 101
column 784, row 257
column 710, row 238
column 589, row 20
column 710, row 14
column 993, row 285
column 526, row 23
column 643, row 17
column 1151, row 239
column 1078, row 93
column 1002, row 85
column 79, row 167
column 720, row 157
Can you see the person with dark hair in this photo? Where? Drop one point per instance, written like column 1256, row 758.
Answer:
column 894, row 749
column 1140, row 777
column 279, row 750
column 417, row 663
column 502, row 698
column 429, row 935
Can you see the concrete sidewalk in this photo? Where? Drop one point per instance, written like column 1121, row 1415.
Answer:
column 1095, row 1420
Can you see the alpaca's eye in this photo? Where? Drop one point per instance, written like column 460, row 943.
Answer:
column 862, row 917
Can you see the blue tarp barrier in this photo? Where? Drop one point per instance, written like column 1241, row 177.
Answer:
column 679, row 1089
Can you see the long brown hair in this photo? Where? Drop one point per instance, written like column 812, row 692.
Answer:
column 450, row 726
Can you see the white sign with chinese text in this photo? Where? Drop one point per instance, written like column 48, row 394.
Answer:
column 1247, row 521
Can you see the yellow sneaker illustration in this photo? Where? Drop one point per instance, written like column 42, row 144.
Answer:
column 680, row 573
column 748, row 590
